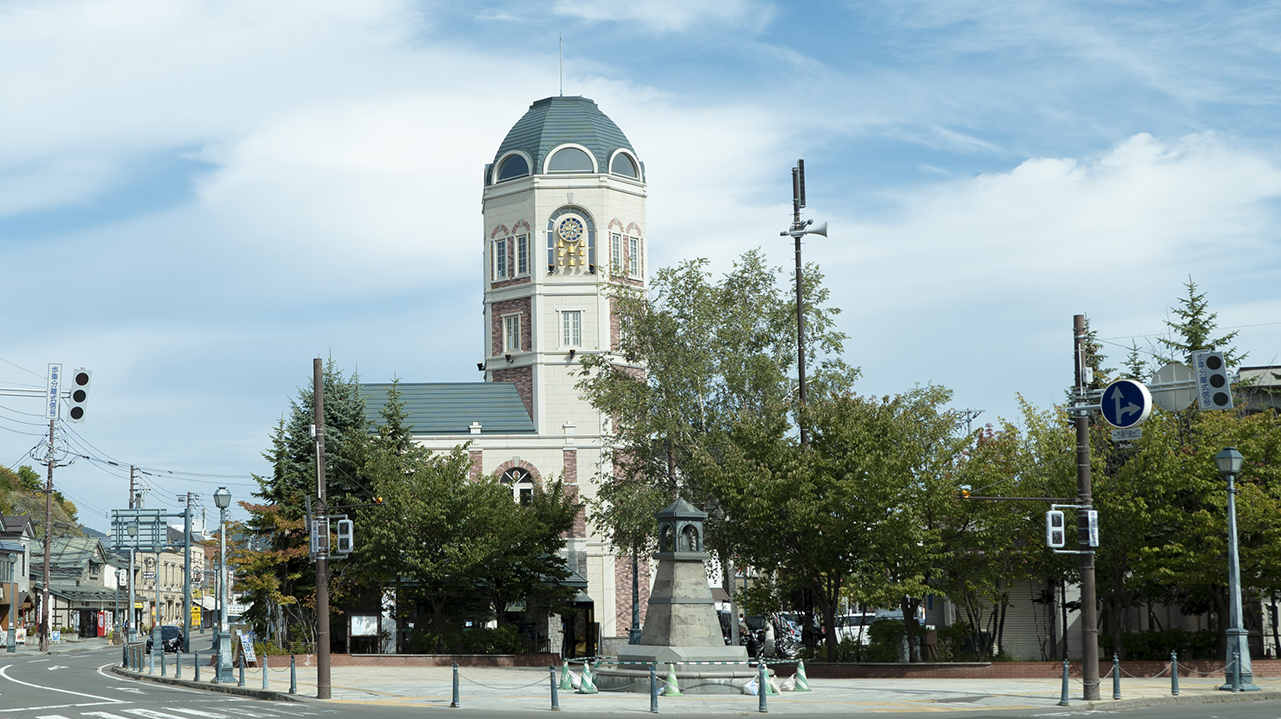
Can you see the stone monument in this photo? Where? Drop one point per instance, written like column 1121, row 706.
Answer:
column 680, row 624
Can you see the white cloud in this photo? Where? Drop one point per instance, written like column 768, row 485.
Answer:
column 665, row 16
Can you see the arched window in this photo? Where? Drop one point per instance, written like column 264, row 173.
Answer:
column 513, row 166
column 521, row 483
column 623, row 165
column 571, row 159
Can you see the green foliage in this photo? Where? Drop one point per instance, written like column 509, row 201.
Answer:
column 1156, row 645
column 694, row 356
column 29, row 479
column 498, row 640
column 1193, row 328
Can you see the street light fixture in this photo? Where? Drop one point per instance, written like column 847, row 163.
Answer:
column 222, row 498
column 1229, row 462
column 12, row 637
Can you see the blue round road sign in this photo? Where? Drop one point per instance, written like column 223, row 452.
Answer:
column 1126, row 403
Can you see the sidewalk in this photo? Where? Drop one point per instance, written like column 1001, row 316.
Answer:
column 525, row 689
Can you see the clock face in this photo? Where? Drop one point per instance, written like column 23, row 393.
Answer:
column 570, row 229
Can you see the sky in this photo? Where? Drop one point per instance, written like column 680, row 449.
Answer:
column 198, row 198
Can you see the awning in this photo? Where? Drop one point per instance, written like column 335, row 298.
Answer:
column 206, row 603
column 719, row 594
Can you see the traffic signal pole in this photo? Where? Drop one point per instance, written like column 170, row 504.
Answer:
column 1089, row 609
column 323, row 687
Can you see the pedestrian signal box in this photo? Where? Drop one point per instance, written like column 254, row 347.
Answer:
column 1054, row 529
column 345, row 539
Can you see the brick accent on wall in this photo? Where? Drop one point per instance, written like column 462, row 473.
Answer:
column 623, row 595
column 523, row 378
column 477, row 457
column 569, row 472
column 507, row 307
column 537, row 477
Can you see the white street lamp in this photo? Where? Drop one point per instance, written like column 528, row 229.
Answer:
column 222, row 498
column 1229, row 462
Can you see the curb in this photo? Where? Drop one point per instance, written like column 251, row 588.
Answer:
column 1218, row 698
column 220, row 688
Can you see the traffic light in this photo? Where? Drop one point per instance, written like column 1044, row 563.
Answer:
column 79, row 394
column 1211, row 373
column 1054, row 529
column 346, row 542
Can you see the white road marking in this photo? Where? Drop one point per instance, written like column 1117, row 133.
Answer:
column 57, row 666
column 150, row 714
column 4, row 673
column 198, row 713
column 250, row 713
column 103, row 715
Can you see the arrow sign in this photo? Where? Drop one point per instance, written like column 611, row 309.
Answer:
column 1126, row 403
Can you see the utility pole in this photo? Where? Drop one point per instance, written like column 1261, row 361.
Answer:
column 798, row 230
column 1089, row 611
column 321, row 524
column 186, row 571
column 48, row 546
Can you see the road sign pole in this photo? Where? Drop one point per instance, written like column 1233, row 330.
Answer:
column 1089, row 614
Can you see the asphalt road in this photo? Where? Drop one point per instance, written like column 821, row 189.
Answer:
column 77, row 685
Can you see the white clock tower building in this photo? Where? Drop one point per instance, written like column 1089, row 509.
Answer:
column 564, row 207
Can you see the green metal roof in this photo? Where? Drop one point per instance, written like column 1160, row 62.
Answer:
column 554, row 121
column 450, row 408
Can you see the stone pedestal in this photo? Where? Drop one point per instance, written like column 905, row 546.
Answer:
column 680, row 624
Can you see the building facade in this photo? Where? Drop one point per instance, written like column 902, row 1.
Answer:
column 563, row 226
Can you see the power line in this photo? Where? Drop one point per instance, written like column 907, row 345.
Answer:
column 24, row 369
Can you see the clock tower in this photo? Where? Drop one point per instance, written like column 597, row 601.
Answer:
column 564, row 218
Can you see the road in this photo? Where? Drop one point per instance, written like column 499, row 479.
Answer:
column 78, row 685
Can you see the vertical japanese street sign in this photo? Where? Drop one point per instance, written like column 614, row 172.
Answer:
column 52, row 391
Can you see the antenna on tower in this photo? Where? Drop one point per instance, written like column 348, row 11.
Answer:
column 560, row 40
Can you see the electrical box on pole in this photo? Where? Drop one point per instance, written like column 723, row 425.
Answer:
column 79, row 394
column 1054, row 529
column 1211, row 371
column 346, row 542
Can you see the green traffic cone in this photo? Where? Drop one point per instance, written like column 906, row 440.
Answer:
column 565, row 681
column 589, row 685
column 802, row 682
column 672, row 688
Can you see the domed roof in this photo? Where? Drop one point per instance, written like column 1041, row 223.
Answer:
column 554, row 121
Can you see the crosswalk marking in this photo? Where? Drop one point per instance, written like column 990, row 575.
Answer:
column 198, row 713
column 102, row 715
column 150, row 714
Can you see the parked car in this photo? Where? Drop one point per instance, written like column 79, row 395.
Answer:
column 170, row 639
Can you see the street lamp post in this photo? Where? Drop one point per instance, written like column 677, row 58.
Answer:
column 1229, row 462
column 222, row 498
column 12, row 637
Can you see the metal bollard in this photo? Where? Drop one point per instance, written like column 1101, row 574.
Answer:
column 177, row 664
column 761, row 691
column 555, row 701
column 454, row 703
column 1063, row 698
column 151, row 661
column 163, row 671
column 1236, row 669
column 653, row 689
column 196, row 663
column 264, row 672
column 293, row 676
column 1174, row 674
column 241, row 683
column 125, row 657
column 1116, row 677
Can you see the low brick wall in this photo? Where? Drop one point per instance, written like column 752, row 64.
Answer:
column 423, row 660
column 1011, row 670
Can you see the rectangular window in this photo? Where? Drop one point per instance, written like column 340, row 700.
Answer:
column 633, row 257
column 616, row 253
column 522, row 256
column 500, row 260
column 571, row 322
column 511, row 333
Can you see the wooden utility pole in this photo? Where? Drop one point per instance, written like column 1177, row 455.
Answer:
column 1089, row 611
column 48, row 549
column 321, row 524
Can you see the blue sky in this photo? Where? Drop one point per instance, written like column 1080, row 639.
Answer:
column 196, row 198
